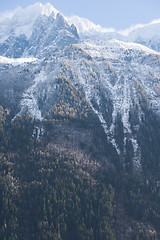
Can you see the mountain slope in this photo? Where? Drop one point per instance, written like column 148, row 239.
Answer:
column 116, row 79
column 79, row 131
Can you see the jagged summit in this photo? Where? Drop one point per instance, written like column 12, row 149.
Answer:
column 45, row 9
column 21, row 21
column 30, row 31
column 19, row 29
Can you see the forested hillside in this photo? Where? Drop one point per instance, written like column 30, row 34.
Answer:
column 49, row 190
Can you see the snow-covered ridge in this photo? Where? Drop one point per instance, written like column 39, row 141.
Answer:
column 23, row 19
column 133, row 46
column 143, row 31
column 112, row 49
column 16, row 61
column 145, row 34
column 148, row 30
column 86, row 26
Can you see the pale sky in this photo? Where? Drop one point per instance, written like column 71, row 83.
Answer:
column 118, row 14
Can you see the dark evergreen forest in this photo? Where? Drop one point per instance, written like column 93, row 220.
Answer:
column 47, row 192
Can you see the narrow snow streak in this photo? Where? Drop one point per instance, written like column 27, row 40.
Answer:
column 29, row 99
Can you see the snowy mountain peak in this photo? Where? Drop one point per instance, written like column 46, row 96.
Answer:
column 33, row 30
column 21, row 21
column 34, row 10
column 46, row 9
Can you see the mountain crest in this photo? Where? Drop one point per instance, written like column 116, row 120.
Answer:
column 34, row 31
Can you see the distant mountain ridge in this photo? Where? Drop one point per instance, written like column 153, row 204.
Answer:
column 145, row 34
column 17, row 33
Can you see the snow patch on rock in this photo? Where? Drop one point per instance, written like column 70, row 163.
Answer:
column 16, row 61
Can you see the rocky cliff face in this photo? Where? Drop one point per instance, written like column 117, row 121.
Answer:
column 116, row 79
